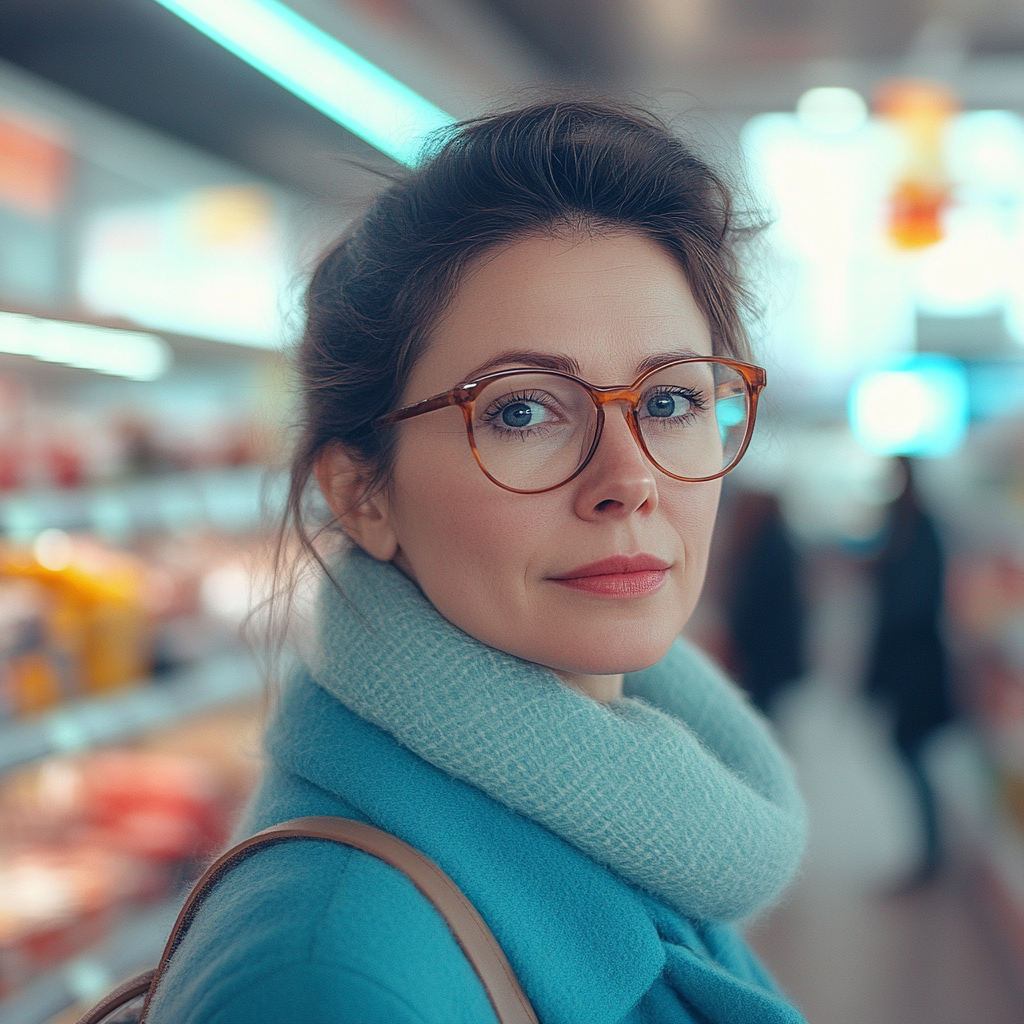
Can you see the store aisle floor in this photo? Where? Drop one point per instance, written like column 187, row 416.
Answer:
column 845, row 948
column 923, row 958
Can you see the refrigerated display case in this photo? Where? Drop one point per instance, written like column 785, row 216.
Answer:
column 126, row 689
column 101, row 843
column 145, row 294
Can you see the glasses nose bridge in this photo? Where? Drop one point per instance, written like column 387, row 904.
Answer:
column 605, row 396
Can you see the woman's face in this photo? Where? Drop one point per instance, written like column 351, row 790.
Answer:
column 493, row 562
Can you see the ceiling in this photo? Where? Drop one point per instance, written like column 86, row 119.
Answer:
column 135, row 57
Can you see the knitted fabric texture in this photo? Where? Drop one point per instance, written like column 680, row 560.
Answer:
column 678, row 786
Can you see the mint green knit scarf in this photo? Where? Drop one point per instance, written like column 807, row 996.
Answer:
column 678, row 786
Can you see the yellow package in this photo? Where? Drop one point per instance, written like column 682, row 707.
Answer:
column 98, row 634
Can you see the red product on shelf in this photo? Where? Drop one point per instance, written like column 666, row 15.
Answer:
column 83, row 840
column 58, row 899
column 154, row 805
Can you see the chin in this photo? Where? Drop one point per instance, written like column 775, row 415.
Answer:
column 632, row 648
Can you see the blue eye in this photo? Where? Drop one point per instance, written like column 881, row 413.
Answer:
column 664, row 405
column 523, row 413
column 519, row 414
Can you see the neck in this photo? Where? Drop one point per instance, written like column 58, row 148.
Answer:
column 600, row 688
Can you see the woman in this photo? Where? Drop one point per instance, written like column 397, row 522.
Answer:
column 496, row 676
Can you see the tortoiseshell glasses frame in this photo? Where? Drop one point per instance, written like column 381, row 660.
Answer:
column 750, row 377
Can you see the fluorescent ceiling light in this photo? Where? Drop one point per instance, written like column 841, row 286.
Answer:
column 320, row 70
column 131, row 354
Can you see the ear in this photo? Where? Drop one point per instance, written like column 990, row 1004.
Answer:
column 367, row 521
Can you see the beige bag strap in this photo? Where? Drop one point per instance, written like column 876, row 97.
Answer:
column 471, row 933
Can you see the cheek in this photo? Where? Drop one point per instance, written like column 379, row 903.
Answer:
column 467, row 541
column 692, row 510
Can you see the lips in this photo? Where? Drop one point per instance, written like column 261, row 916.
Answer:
column 619, row 576
column 617, row 565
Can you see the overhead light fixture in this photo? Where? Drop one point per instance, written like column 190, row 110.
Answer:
column 320, row 70
column 132, row 354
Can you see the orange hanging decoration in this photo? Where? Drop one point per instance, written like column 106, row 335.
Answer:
column 920, row 112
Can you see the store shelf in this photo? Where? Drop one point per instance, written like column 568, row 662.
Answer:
column 135, row 944
column 223, row 680
column 232, row 499
column 982, row 835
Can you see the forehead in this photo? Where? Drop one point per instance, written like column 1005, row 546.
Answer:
column 608, row 302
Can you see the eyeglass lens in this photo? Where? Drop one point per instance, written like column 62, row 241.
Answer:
column 534, row 430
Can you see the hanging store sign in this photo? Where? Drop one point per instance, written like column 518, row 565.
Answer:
column 879, row 219
column 208, row 264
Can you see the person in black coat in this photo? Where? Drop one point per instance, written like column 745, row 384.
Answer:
column 907, row 670
column 764, row 605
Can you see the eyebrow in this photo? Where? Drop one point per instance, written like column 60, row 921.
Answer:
column 566, row 364
column 661, row 358
column 526, row 357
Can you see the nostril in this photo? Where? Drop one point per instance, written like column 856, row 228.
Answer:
column 603, row 506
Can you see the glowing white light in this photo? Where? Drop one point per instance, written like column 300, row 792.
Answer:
column 966, row 273
column 918, row 409
column 829, row 110
column 893, row 409
column 53, row 550
column 131, row 354
column 319, row 70
column 985, row 149
column 227, row 592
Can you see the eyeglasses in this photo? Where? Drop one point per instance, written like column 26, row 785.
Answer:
column 534, row 430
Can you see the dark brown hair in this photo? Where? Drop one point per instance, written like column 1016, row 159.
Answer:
column 556, row 166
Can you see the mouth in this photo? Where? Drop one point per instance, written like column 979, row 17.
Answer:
column 618, row 576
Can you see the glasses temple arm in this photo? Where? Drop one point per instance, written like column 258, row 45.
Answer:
column 427, row 405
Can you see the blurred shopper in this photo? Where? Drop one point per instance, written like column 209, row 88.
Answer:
column 763, row 603
column 907, row 670
column 498, row 677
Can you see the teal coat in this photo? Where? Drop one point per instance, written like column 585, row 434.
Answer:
column 308, row 931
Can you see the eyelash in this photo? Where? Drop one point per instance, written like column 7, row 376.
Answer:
column 491, row 416
column 696, row 399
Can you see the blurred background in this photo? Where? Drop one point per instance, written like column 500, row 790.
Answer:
column 169, row 170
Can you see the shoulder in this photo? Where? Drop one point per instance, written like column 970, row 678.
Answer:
column 311, row 930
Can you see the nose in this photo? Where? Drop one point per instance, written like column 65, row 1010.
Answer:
column 620, row 479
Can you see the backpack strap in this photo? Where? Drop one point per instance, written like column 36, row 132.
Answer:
column 480, row 947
